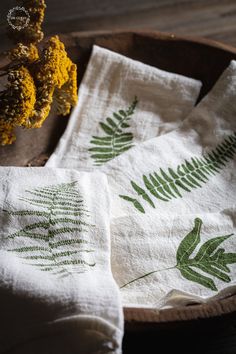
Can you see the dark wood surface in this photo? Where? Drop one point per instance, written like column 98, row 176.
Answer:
column 209, row 336
column 215, row 19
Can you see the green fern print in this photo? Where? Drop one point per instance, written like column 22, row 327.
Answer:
column 210, row 259
column 54, row 244
column 192, row 174
column 114, row 140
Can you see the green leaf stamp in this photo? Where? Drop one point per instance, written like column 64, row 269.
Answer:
column 55, row 244
column 190, row 175
column 211, row 259
column 115, row 140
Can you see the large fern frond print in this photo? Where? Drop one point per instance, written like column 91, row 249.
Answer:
column 54, row 242
column 115, row 140
column 191, row 174
column 211, row 260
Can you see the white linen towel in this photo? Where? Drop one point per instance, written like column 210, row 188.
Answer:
column 57, row 293
column 161, row 186
column 189, row 170
column 175, row 259
column 122, row 102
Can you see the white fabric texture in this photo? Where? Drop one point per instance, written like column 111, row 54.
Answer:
column 57, row 292
column 204, row 137
column 122, row 103
column 149, row 271
column 161, row 186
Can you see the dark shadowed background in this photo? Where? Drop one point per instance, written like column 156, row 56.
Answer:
column 214, row 19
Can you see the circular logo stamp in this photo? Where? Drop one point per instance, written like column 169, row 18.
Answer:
column 18, row 18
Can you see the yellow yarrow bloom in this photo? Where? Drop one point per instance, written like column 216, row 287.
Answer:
column 54, row 64
column 67, row 96
column 35, row 79
column 54, row 74
column 18, row 101
column 24, row 54
column 7, row 135
column 36, row 10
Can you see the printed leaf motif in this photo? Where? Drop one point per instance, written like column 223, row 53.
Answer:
column 115, row 141
column 54, row 242
column 189, row 175
column 211, row 260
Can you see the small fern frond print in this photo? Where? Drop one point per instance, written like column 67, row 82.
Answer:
column 54, row 242
column 192, row 174
column 115, row 140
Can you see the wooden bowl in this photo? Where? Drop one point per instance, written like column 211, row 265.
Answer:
column 197, row 58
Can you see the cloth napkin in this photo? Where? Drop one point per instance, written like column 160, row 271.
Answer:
column 189, row 170
column 57, row 293
column 160, row 187
column 122, row 103
column 175, row 260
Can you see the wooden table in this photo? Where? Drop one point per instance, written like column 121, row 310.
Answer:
column 215, row 19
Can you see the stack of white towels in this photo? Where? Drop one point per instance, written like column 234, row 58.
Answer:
column 136, row 207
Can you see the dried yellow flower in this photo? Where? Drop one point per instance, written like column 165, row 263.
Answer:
column 7, row 135
column 35, row 78
column 54, row 64
column 24, row 54
column 54, row 73
column 67, row 96
column 17, row 103
column 42, row 106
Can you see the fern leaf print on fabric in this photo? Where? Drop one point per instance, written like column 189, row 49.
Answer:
column 54, row 242
column 211, row 260
column 166, row 185
column 114, row 140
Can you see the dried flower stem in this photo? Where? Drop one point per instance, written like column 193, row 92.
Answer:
column 35, row 78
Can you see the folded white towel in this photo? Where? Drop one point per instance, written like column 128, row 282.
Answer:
column 122, row 103
column 161, row 186
column 57, row 293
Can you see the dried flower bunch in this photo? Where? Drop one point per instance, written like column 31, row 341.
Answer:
column 35, row 78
